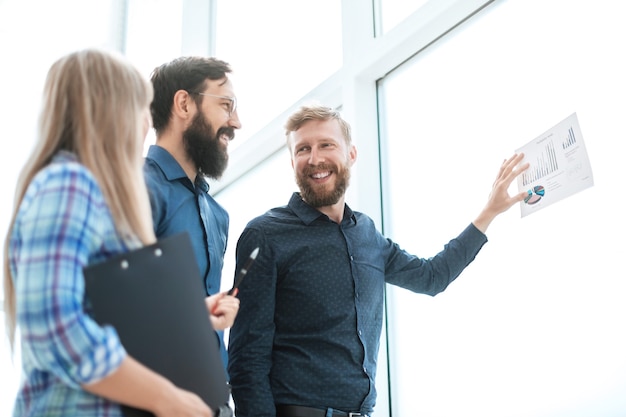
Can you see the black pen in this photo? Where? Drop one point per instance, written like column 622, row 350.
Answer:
column 243, row 271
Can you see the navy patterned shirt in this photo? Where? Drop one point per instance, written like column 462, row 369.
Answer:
column 310, row 319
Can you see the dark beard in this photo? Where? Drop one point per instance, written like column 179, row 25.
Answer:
column 318, row 197
column 205, row 149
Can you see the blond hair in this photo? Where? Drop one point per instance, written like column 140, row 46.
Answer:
column 94, row 102
column 319, row 112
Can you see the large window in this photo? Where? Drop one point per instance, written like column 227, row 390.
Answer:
column 534, row 327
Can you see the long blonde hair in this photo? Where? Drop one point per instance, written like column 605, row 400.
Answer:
column 94, row 105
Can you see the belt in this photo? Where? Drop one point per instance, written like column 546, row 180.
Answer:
column 299, row 411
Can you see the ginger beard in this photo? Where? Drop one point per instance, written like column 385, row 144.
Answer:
column 205, row 149
column 320, row 195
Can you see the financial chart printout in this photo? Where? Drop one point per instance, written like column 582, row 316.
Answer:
column 559, row 166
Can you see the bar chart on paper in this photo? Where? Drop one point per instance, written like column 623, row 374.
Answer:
column 559, row 166
column 545, row 164
column 570, row 140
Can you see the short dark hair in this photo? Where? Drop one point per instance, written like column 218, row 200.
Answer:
column 188, row 73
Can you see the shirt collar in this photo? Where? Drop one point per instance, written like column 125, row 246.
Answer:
column 201, row 183
column 168, row 164
column 64, row 156
column 309, row 214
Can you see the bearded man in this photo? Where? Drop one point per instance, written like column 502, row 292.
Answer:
column 194, row 115
column 306, row 338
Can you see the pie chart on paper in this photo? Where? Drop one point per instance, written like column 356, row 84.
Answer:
column 535, row 195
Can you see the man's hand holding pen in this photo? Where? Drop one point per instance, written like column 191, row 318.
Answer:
column 222, row 309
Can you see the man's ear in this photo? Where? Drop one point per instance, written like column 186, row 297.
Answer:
column 183, row 105
column 352, row 155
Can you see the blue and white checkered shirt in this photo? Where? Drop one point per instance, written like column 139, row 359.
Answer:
column 63, row 224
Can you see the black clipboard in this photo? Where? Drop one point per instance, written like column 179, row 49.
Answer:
column 154, row 298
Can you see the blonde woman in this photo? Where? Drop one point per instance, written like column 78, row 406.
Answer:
column 81, row 198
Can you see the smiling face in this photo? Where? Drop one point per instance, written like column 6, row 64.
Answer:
column 212, row 128
column 321, row 160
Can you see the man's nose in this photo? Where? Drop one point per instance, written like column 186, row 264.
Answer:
column 233, row 121
column 315, row 157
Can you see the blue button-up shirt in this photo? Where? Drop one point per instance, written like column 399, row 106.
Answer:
column 63, row 224
column 310, row 319
column 179, row 205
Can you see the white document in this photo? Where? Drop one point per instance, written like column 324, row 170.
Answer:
column 559, row 166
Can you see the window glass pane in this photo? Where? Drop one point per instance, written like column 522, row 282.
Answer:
column 278, row 55
column 531, row 327
column 154, row 32
column 268, row 185
column 392, row 12
column 153, row 37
